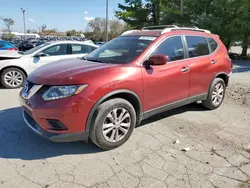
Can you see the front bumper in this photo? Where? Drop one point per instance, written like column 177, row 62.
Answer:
column 55, row 137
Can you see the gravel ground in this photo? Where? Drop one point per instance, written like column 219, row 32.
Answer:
column 216, row 144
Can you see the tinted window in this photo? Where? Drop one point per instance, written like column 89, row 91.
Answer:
column 213, row 44
column 197, row 46
column 171, row 47
column 121, row 50
column 1, row 45
column 60, row 49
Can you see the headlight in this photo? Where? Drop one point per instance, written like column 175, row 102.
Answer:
column 58, row 92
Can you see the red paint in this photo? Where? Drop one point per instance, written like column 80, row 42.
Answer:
column 155, row 87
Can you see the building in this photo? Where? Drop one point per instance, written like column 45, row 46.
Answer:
column 17, row 34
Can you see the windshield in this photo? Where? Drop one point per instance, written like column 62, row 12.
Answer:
column 32, row 50
column 121, row 50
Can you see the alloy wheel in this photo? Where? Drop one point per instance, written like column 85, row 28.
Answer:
column 13, row 78
column 217, row 94
column 116, row 125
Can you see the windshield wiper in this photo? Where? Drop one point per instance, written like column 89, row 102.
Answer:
column 96, row 60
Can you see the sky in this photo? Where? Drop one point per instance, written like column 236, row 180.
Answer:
column 61, row 14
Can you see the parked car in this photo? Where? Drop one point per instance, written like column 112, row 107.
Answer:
column 99, row 43
column 104, row 95
column 4, row 45
column 15, row 68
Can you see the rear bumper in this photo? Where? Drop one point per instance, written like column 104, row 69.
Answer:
column 54, row 137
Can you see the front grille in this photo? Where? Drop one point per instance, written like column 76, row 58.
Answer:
column 29, row 85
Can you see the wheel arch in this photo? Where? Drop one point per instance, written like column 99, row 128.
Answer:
column 13, row 66
column 223, row 76
column 128, row 95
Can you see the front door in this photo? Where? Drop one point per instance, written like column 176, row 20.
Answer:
column 52, row 53
column 169, row 83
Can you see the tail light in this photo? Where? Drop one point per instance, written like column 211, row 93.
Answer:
column 12, row 49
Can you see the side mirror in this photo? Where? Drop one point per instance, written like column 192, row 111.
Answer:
column 156, row 60
column 40, row 54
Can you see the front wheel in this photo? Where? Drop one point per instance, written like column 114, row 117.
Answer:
column 114, row 123
column 216, row 94
column 12, row 78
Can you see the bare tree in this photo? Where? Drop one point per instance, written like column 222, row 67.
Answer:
column 8, row 22
column 96, row 29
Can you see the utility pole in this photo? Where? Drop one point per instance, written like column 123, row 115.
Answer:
column 24, row 26
column 107, row 20
column 181, row 11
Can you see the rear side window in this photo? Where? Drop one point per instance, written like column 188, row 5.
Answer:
column 213, row 44
column 171, row 47
column 1, row 45
column 81, row 49
column 197, row 46
column 60, row 49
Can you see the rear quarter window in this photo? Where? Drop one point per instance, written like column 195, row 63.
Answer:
column 213, row 44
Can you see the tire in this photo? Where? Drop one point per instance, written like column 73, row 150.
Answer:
column 102, row 119
column 10, row 71
column 212, row 102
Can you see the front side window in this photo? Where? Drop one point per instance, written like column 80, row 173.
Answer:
column 60, row 49
column 197, row 46
column 121, row 50
column 171, row 47
column 213, row 44
column 32, row 50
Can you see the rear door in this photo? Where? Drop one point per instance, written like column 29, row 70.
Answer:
column 201, row 65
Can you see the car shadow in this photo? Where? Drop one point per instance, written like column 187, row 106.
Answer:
column 241, row 66
column 176, row 111
column 17, row 141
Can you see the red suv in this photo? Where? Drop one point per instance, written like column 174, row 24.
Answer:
column 104, row 95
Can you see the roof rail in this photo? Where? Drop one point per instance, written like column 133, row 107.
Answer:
column 185, row 28
column 168, row 28
column 159, row 27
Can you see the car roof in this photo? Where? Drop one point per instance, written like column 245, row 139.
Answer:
column 71, row 42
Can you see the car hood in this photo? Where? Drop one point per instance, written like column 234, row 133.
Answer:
column 7, row 54
column 69, row 71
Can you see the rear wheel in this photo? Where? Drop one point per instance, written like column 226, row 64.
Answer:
column 12, row 78
column 216, row 94
column 114, row 123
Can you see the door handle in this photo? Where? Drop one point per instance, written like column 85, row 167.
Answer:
column 213, row 62
column 185, row 69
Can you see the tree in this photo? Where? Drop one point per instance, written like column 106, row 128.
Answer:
column 153, row 12
column 96, row 29
column 7, row 36
column 71, row 32
column 42, row 28
column 135, row 13
column 28, row 30
column 8, row 22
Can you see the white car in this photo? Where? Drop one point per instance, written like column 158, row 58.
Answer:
column 15, row 66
